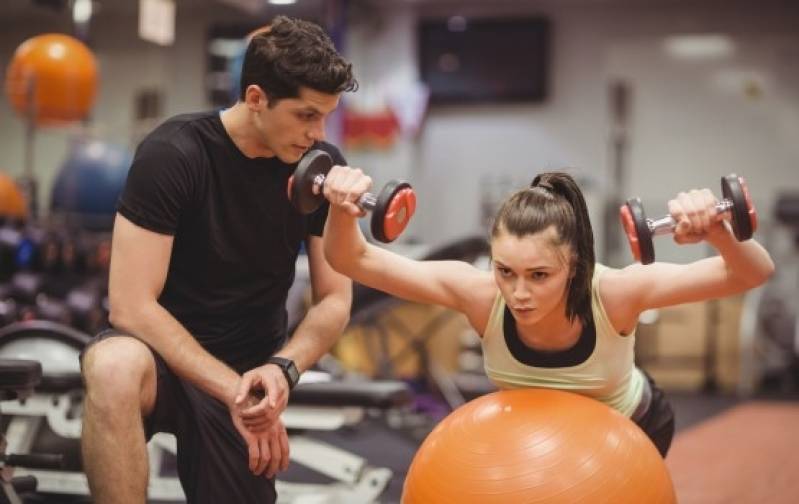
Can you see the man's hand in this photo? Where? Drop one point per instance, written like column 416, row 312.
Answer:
column 268, row 450
column 262, row 396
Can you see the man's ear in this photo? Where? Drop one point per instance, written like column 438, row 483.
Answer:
column 255, row 97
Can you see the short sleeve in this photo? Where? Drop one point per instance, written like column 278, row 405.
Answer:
column 159, row 188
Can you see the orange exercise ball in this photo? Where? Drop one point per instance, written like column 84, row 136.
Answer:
column 54, row 73
column 531, row 446
column 12, row 202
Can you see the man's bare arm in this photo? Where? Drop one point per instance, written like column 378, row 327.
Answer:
column 139, row 265
column 327, row 318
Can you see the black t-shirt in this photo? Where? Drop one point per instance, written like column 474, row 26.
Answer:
column 237, row 236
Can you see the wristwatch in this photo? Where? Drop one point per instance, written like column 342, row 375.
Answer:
column 289, row 369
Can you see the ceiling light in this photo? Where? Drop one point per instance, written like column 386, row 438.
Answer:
column 82, row 11
column 699, row 47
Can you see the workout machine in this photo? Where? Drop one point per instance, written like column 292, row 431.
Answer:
column 17, row 380
column 50, row 420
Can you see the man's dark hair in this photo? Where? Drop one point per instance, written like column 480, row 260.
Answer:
column 292, row 53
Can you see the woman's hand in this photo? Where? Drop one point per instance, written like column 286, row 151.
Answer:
column 696, row 216
column 344, row 186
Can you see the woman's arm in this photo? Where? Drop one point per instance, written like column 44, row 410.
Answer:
column 454, row 284
column 740, row 266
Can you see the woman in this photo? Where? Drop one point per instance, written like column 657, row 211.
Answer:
column 548, row 314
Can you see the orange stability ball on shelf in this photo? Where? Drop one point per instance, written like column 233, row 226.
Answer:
column 12, row 202
column 537, row 446
column 56, row 75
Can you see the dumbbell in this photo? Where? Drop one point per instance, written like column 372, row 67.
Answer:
column 641, row 230
column 391, row 209
column 9, row 310
column 39, row 250
column 84, row 304
column 10, row 238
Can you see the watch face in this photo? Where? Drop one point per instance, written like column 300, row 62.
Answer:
column 295, row 375
column 289, row 369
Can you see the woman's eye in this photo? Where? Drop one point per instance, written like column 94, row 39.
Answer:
column 539, row 275
column 504, row 271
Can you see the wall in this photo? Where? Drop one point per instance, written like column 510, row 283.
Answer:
column 687, row 129
column 690, row 123
column 126, row 65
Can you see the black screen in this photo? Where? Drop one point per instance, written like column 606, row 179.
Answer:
column 485, row 60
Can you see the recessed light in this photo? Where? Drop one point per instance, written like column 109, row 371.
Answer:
column 699, row 47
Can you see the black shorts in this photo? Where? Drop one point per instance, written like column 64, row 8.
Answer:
column 212, row 458
column 658, row 420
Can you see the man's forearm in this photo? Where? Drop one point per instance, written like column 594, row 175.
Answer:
column 156, row 327
column 319, row 330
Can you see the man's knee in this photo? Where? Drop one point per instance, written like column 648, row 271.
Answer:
column 117, row 369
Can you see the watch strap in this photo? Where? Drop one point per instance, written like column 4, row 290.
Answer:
column 289, row 369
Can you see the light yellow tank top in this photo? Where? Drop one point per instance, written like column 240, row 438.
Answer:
column 608, row 374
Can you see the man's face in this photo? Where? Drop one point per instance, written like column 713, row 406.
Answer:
column 289, row 127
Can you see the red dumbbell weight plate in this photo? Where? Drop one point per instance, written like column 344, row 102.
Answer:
column 394, row 209
column 300, row 185
column 633, row 218
column 744, row 215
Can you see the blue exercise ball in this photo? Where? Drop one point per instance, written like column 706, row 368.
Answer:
column 89, row 183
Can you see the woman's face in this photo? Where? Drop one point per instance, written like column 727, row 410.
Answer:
column 532, row 274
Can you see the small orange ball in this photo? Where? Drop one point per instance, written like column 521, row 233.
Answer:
column 12, row 201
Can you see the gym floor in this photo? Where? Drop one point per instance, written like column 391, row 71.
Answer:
column 725, row 451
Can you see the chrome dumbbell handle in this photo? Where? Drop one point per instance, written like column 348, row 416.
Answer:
column 367, row 201
column 666, row 225
column 318, row 183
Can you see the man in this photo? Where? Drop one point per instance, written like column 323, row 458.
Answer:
column 203, row 253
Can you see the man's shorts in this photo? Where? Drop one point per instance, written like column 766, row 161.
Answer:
column 212, row 457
